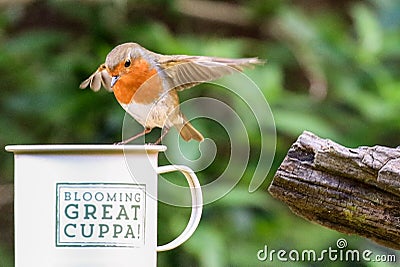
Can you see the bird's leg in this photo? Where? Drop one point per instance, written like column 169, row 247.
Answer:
column 162, row 136
column 130, row 139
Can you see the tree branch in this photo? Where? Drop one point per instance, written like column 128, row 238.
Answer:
column 354, row 191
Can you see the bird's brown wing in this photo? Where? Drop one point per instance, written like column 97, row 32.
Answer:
column 186, row 71
column 97, row 79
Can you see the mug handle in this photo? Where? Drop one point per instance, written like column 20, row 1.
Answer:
column 197, row 205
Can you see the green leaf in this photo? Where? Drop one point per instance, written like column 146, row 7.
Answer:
column 369, row 33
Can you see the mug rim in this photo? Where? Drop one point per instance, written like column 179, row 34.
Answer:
column 82, row 148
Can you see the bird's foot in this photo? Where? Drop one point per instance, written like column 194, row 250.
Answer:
column 120, row 143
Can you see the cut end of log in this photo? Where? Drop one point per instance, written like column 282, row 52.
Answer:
column 354, row 191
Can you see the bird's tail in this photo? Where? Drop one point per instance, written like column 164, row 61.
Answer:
column 188, row 132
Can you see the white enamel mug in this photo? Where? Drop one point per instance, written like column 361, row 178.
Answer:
column 91, row 205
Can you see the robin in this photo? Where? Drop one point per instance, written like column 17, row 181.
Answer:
column 146, row 84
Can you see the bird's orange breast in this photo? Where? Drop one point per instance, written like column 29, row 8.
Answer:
column 139, row 82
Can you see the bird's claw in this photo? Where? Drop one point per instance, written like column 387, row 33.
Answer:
column 120, row 143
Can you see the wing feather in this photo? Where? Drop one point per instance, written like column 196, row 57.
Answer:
column 99, row 78
column 184, row 72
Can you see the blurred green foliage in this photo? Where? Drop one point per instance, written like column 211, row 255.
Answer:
column 333, row 68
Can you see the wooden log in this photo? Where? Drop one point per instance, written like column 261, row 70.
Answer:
column 354, row 191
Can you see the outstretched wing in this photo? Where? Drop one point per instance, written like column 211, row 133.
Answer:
column 97, row 79
column 186, row 71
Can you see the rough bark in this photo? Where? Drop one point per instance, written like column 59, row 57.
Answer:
column 354, row 191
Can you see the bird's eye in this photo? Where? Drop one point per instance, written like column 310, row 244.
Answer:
column 127, row 63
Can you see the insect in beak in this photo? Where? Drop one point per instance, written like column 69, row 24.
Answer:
column 114, row 79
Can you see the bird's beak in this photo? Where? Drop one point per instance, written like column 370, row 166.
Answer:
column 114, row 79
